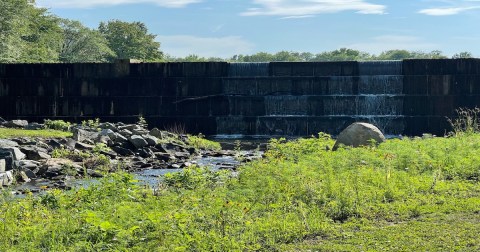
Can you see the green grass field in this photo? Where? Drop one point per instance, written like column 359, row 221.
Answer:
column 47, row 133
column 404, row 195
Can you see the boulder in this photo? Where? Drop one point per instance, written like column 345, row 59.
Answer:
column 9, row 160
column 359, row 134
column 3, row 165
column 156, row 132
column 35, row 153
column 125, row 132
column 34, row 126
column 7, row 143
column 17, row 154
column 6, row 178
column 81, row 135
column 138, row 141
column 151, row 140
column 16, row 124
column 122, row 151
column 2, row 121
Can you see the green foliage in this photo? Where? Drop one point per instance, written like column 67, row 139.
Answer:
column 467, row 121
column 199, row 142
column 91, row 123
column 81, row 44
column 131, row 40
column 57, row 125
column 409, row 194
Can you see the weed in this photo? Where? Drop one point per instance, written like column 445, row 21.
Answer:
column 467, row 121
column 199, row 142
column 91, row 123
column 57, row 125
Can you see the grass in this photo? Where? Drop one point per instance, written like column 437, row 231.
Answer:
column 404, row 195
column 199, row 142
column 47, row 133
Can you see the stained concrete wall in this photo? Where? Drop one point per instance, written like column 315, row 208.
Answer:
column 278, row 98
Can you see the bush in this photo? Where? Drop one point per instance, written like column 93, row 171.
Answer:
column 57, row 125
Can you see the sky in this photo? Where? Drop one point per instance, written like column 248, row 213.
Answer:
column 223, row 28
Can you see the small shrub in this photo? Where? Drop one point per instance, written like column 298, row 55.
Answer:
column 91, row 123
column 57, row 125
column 467, row 121
column 201, row 143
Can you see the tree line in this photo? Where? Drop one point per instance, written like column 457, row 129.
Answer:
column 31, row 34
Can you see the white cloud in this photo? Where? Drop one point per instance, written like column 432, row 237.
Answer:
column 223, row 47
column 382, row 43
column 291, row 8
column 95, row 3
column 446, row 11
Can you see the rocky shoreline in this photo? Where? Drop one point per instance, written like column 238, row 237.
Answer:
column 96, row 149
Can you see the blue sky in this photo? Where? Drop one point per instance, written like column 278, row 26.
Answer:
column 223, row 28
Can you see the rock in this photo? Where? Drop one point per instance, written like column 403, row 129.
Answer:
column 28, row 164
column 7, row 143
column 16, row 124
column 9, row 160
column 55, row 144
column 145, row 153
column 71, row 143
column 164, row 156
column 122, row 151
column 128, row 127
column 6, row 178
column 126, row 133
column 103, row 139
column 35, row 153
column 175, row 166
column 29, row 174
column 155, row 132
column 94, row 174
column 182, row 155
column 119, row 138
column 81, row 135
column 57, row 166
column 359, row 134
column 138, row 141
column 17, row 154
column 108, row 126
column 23, row 176
column 34, row 126
column 151, row 140
column 3, row 165
column 2, row 121
column 83, row 146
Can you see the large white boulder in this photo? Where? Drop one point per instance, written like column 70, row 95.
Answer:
column 359, row 134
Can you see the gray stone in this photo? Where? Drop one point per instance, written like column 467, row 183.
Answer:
column 2, row 121
column 35, row 153
column 108, row 126
column 9, row 160
column 81, row 135
column 7, row 143
column 34, row 126
column 145, row 153
column 122, row 151
column 125, row 132
column 29, row 174
column 28, row 164
column 103, row 139
column 71, row 143
column 151, row 140
column 140, row 131
column 129, row 127
column 120, row 138
column 17, row 154
column 359, row 134
column 6, row 178
column 16, row 124
column 3, row 165
column 24, row 176
column 83, row 146
column 138, row 141
column 156, row 133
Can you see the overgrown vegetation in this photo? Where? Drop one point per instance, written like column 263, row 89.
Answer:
column 199, row 142
column 47, row 133
column 408, row 195
column 57, row 125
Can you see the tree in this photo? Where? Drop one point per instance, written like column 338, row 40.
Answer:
column 81, row 44
column 342, row 54
column 462, row 55
column 131, row 40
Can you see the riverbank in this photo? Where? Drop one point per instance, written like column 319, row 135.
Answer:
column 406, row 194
column 57, row 154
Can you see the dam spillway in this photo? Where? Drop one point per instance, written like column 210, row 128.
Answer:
column 408, row 97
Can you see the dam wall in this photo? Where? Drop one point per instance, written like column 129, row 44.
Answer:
column 408, row 97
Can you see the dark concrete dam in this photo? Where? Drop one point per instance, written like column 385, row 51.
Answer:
column 408, row 97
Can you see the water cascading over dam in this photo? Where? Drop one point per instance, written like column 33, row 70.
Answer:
column 408, row 97
column 269, row 99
